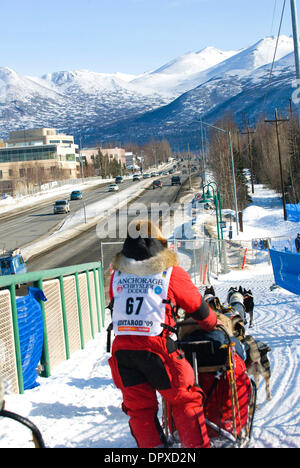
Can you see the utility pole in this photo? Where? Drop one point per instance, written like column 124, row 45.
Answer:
column 296, row 46
column 276, row 121
column 203, row 152
column 189, row 167
column 81, row 162
column 82, row 179
column 233, row 182
column 249, row 132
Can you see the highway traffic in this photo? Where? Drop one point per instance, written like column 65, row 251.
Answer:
column 20, row 229
column 87, row 247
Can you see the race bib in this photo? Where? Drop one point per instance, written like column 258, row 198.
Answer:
column 138, row 303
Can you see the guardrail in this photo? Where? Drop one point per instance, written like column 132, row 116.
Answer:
column 73, row 313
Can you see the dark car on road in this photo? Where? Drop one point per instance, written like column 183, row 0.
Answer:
column 157, row 184
column 76, row 195
column 175, row 180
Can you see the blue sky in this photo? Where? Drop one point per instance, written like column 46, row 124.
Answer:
column 129, row 36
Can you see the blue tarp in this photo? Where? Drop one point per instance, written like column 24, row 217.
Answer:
column 286, row 268
column 30, row 323
column 293, row 213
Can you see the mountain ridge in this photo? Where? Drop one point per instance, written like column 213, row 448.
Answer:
column 102, row 106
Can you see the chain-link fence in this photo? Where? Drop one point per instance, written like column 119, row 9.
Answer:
column 203, row 258
column 207, row 258
column 284, row 244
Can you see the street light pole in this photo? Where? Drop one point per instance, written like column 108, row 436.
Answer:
column 189, row 168
column 203, row 153
column 232, row 168
column 218, row 200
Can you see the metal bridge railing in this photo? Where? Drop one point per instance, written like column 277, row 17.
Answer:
column 73, row 313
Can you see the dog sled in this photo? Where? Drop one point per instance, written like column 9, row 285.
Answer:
column 230, row 394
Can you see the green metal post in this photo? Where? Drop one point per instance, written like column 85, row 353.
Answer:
column 97, row 300
column 64, row 316
column 79, row 311
column 90, row 303
column 218, row 225
column 220, row 211
column 12, row 289
column 218, row 201
column 102, row 295
column 217, row 216
column 45, row 360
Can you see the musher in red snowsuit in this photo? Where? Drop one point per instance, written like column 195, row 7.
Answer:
column 144, row 357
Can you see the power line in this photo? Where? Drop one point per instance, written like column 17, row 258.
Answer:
column 273, row 18
column 274, row 57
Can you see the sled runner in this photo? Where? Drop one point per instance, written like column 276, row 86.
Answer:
column 230, row 395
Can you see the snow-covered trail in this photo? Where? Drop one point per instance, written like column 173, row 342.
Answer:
column 80, row 407
column 277, row 322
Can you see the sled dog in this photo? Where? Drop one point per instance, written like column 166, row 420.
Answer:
column 258, row 363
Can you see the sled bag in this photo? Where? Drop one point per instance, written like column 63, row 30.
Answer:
column 218, row 407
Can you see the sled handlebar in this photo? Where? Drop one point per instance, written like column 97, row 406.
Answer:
column 37, row 436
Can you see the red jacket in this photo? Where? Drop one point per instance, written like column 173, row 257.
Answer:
column 142, row 365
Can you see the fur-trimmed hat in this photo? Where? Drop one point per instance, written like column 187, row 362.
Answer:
column 144, row 240
column 145, row 250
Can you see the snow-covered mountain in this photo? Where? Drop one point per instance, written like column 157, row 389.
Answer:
column 182, row 74
column 191, row 70
column 99, row 106
column 69, row 100
column 239, row 85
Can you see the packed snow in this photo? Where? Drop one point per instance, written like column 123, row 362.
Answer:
column 79, row 406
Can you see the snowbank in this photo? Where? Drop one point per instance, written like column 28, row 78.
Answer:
column 9, row 203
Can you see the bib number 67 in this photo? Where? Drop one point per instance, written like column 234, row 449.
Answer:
column 134, row 304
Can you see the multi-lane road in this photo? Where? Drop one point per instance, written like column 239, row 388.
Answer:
column 87, row 246
column 20, row 229
column 27, row 226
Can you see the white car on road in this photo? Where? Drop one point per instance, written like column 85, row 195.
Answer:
column 61, row 206
column 113, row 188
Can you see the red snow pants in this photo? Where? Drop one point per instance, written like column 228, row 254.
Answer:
column 140, row 367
